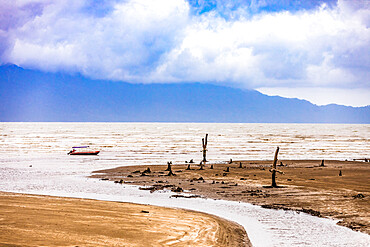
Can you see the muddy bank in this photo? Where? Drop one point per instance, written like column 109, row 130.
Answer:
column 339, row 189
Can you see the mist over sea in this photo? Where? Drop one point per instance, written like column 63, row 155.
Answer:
column 34, row 160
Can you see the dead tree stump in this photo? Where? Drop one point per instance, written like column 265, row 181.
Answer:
column 273, row 170
column 204, row 145
column 147, row 171
column 240, row 165
column 201, row 166
column 168, row 166
column 188, row 168
column 340, row 172
column 227, row 169
column 211, row 167
column 322, row 163
column 170, row 173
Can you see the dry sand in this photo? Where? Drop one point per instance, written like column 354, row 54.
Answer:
column 31, row 220
column 304, row 186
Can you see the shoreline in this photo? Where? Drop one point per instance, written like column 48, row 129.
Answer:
column 305, row 186
column 48, row 220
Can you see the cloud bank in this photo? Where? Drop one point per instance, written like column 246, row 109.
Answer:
column 246, row 44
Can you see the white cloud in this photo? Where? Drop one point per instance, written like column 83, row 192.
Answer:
column 123, row 45
column 161, row 41
column 298, row 49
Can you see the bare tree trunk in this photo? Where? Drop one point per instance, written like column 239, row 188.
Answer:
column 273, row 178
column 204, row 145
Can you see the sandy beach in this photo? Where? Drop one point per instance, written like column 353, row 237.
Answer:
column 339, row 189
column 32, row 220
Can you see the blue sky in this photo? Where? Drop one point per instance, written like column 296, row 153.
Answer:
column 314, row 50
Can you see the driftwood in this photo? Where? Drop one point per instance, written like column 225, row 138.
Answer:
column 365, row 159
column 178, row 189
column 359, row 196
column 171, row 173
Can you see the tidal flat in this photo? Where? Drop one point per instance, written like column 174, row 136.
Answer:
column 338, row 190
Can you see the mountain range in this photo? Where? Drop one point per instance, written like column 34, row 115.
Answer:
column 32, row 95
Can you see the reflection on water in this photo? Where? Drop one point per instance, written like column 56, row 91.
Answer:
column 33, row 159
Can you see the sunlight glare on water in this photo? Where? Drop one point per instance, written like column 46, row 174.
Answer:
column 157, row 143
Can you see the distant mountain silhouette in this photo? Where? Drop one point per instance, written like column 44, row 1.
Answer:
column 30, row 95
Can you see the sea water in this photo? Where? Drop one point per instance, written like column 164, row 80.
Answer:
column 33, row 159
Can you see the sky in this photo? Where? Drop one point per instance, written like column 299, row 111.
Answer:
column 313, row 50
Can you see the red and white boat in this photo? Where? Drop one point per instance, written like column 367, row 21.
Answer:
column 82, row 150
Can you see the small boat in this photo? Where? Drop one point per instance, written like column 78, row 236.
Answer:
column 82, row 150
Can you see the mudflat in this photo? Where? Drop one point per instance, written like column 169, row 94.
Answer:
column 339, row 189
column 32, row 220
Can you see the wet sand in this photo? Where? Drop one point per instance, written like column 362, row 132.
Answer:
column 305, row 186
column 31, row 220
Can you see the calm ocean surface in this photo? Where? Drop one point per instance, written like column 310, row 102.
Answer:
column 33, row 159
